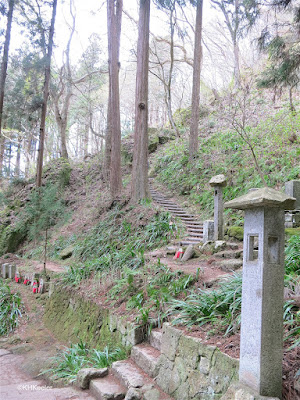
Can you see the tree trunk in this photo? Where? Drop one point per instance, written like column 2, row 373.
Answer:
column 194, row 142
column 114, row 17
column 45, row 99
column 3, row 75
column 236, row 71
column 140, row 187
column 292, row 107
column 18, row 158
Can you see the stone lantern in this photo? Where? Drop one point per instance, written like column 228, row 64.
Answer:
column 218, row 182
column 262, row 289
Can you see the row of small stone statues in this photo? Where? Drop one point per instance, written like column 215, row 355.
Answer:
column 36, row 283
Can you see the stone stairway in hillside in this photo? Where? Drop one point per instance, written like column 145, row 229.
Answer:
column 133, row 378
column 193, row 226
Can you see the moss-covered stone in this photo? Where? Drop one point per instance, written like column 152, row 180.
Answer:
column 72, row 318
column 67, row 252
column 11, row 237
column 292, row 231
column 236, row 232
column 153, row 143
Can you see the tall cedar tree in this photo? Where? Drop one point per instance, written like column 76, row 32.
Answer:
column 114, row 18
column 193, row 142
column 3, row 75
column 45, row 98
column 139, row 185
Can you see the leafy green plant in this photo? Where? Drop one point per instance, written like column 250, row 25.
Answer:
column 292, row 255
column 67, row 363
column 115, row 245
column 220, row 306
column 10, row 309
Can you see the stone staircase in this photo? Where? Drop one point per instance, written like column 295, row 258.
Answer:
column 134, row 378
column 193, row 226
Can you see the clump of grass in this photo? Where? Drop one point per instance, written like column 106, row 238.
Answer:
column 222, row 308
column 292, row 255
column 115, row 244
column 67, row 363
column 219, row 307
column 10, row 309
column 149, row 290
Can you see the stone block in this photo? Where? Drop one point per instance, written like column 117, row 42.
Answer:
column 170, row 340
column 188, row 349
column 135, row 335
column 182, row 393
column 296, row 220
column 208, row 230
column 204, row 365
column 4, row 271
column 164, row 376
column 198, row 383
column 288, row 217
column 292, row 188
column 11, row 271
column 133, row 394
column 238, row 391
column 67, row 252
column 224, row 370
column 85, row 375
column 179, row 375
column 189, row 253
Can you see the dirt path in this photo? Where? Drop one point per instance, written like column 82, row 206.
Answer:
column 16, row 384
column 26, row 352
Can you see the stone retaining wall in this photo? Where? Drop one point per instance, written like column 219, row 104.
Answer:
column 74, row 318
column 190, row 370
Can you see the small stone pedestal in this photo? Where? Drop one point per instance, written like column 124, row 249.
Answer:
column 218, row 182
column 262, row 291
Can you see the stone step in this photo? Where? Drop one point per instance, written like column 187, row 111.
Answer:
column 195, row 234
column 194, row 224
column 155, row 338
column 165, row 203
column 129, row 374
column 187, row 219
column 175, row 208
column 146, row 357
column 107, row 388
column 230, row 265
column 187, row 242
column 179, row 214
column 229, row 254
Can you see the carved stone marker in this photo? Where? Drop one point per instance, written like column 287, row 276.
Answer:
column 292, row 189
column 262, row 291
column 208, row 230
column 4, row 270
column 218, row 182
column 11, row 271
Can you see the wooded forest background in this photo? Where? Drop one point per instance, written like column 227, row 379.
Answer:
column 86, row 105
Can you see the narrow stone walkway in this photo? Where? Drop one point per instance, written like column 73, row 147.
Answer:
column 193, row 226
